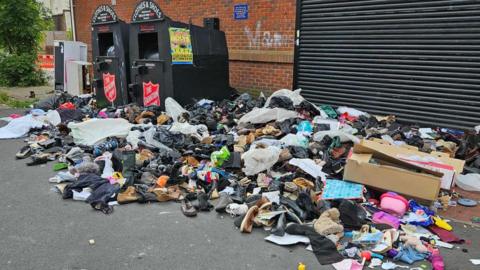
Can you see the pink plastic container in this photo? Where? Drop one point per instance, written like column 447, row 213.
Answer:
column 394, row 204
column 384, row 218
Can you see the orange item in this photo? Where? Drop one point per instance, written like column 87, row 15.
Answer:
column 162, row 181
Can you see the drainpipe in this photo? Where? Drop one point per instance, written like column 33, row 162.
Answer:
column 72, row 20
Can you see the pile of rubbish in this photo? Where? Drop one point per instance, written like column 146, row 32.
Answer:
column 328, row 178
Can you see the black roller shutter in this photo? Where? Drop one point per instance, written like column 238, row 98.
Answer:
column 419, row 60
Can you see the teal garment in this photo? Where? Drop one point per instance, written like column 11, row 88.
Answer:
column 329, row 111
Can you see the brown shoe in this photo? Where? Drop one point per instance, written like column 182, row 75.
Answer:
column 162, row 119
column 250, row 138
column 261, row 202
column 192, row 161
column 265, row 209
column 207, row 140
column 128, row 196
column 285, row 155
column 167, row 194
column 247, row 222
column 144, row 155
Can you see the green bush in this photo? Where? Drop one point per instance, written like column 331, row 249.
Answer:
column 20, row 70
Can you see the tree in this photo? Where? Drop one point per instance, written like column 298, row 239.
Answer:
column 22, row 23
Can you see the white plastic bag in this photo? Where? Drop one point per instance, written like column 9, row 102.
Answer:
column 265, row 115
column 260, row 159
column 92, row 131
column 293, row 95
column 309, row 166
column 268, row 142
column 295, row 140
column 133, row 138
column 334, row 124
column 198, row 131
column 20, row 127
column 108, row 170
column 344, row 137
column 351, row 111
column 149, row 138
column 469, row 182
column 173, row 109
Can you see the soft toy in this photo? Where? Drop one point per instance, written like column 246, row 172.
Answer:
column 328, row 223
column 414, row 242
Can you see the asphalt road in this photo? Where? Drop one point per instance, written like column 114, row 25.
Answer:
column 39, row 230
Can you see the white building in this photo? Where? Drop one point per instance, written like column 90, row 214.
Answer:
column 62, row 19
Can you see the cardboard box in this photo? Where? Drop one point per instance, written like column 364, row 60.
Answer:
column 382, row 166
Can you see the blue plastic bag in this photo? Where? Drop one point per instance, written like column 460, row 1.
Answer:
column 423, row 213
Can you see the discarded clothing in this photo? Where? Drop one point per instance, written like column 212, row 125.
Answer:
column 84, row 180
column 20, row 127
column 445, row 236
column 323, row 248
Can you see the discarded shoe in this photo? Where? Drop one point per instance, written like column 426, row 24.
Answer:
column 38, row 160
column 25, row 152
column 247, row 223
column 279, row 229
column 235, row 209
column 223, row 202
column 128, row 196
column 202, row 202
column 187, row 209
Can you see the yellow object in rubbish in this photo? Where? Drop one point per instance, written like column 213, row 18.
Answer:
column 301, row 266
column 442, row 223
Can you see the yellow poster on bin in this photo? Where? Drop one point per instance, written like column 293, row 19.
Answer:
column 181, row 46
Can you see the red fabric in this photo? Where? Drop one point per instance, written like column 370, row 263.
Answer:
column 445, row 236
column 348, row 117
column 67, row 106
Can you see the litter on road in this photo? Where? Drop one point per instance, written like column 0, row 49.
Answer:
column 361, row 190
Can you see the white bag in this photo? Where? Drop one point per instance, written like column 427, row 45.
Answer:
column 260, row 159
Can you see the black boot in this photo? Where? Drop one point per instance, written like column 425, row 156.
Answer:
column 279, row 229
column 128, row 166
column 239, row 195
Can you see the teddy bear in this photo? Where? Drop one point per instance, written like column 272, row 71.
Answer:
column 328, row 223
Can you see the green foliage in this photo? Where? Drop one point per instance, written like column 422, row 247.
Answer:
column 20, row 70
column 69, row 35
column 14, row 103
column 21, row 26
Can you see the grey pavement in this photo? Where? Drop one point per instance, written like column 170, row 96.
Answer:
column 39, row 231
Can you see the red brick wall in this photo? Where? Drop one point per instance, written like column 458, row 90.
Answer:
column 261, row 48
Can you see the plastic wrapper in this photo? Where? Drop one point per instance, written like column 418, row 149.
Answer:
column 469, row 182
column 295, row 140
column 95, row 130
column 260, row 159
column 198, row 131
column 295, row 96
column 264, row 115
column 173, row 109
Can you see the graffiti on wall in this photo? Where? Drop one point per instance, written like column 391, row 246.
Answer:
column 258, row 39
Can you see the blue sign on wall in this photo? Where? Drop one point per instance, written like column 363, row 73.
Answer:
column 240, row 12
